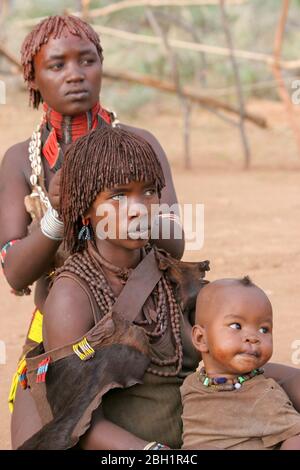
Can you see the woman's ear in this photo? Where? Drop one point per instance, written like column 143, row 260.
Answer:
column 88, row 213
column 199, row 338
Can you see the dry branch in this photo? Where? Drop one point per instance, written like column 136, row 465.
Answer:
column 277, row 72
column 188, row 93
column 186, row 45
column 109, row 9
column 237, row 79
column 10, row 57
column 163, row 86
column 185, row 103
column 104, row 11
column 192, row 46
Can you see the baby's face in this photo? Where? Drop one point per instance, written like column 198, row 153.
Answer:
column 238, row 333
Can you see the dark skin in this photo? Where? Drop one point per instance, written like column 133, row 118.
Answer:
column 233, row 332
column 72, row 306
column 68, row 313
column 76, row 66
column 233, row 329
column 29, row 259
column 62, row 67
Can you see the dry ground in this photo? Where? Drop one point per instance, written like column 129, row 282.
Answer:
column 252, row 219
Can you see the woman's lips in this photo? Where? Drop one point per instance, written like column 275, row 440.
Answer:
column 77, row 95
column 138, row 234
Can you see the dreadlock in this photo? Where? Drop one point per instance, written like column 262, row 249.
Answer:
column 101, row 160
column 54, row 26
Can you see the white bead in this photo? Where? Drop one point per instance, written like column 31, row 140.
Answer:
column 33, row 179
column 237, row 386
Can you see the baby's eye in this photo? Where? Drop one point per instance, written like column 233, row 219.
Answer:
column 119, row 197
column 264, row 330
column 88, row 61
column 235, row 326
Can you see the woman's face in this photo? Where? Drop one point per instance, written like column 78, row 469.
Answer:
column 68, row 74
column 124, row 214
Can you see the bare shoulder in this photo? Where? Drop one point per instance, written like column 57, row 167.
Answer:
column 16, row 158
column 147, row 136
column 67, row 314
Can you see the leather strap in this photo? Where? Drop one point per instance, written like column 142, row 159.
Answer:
column 138, row 288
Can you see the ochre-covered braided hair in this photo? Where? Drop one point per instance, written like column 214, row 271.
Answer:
column 54, row 27
column 102, row 159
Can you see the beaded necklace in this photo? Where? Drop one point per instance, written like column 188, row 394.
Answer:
column 167, row 313
column 223, row 383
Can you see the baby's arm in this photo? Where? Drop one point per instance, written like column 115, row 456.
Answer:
column 293, row 443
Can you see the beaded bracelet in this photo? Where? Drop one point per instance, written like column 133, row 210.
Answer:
column 51, row 226
column 4, row 250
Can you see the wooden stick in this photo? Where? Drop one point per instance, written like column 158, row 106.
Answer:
column 192, row 46
column 239, row 90
column 109, row 9
column 186, row 45
column 195, row 97
column 85, row 5
column 185, row 103
column 282, row 90
column 10, row 57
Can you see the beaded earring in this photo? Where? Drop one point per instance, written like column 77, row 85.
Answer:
column 85, row 233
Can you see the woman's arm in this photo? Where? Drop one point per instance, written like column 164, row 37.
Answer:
column 68, row 316
column 104, row 435
column 31, row 256
column 288, row 378
column 293, row 443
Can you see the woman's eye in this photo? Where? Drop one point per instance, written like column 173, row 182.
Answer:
column 264, row 330
column 235, row 326
column 119, row 197
column 56, row 66
column 150, row 192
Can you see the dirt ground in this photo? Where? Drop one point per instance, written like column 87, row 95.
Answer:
column 252, row 219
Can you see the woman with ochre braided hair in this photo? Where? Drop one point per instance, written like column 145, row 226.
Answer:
column 62, row 63
column 116, row 343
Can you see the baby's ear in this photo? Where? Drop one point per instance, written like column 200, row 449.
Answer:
column 199, row 338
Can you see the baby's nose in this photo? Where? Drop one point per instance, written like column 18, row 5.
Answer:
column 251, row 338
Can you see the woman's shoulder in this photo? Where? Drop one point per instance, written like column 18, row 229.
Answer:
column 148, row 136
column 18, row 150
column 67, row 312
column 16, row 158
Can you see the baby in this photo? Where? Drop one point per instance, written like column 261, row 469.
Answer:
column 229, row 403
